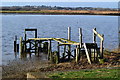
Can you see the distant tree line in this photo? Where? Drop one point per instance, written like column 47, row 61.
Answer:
column 43, row 7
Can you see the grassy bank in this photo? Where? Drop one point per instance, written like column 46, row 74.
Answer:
column 97, row 73
column 64, row 12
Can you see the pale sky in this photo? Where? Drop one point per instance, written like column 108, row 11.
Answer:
column 60, row 0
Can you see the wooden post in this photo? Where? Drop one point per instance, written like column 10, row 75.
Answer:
column 25, row 42
column 90, row 53
column 50, row 56
column 118, row 37
column 58, row 54
column 35, row 42
column 15, row 44
column 94, row 36
column 76, row 54
column 39, row 48
column 30, row 49
column 69, row 46
column 101, row 47
column 86, row 51
column 94, row 41
column 21, row 47
column 17, row 47
column 80, row 37
column 36, row 33
column 80, row 41
column 64, row 51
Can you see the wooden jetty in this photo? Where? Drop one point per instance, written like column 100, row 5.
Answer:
column 37, row 45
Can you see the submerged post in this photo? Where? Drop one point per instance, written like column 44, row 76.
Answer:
column 69, row 46
column 15, row 44
column 21, row 47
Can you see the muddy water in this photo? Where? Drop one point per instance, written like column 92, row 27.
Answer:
column 56, row 26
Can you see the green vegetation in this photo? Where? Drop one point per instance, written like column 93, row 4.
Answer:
column 98, row 73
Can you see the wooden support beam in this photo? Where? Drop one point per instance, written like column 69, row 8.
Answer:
column 101, row 47
column 100, row 36
column 69, row 46
column 86, row 51
column 36, row 33
column 50, row 56
column 30, row 29
column 77, row 52
column 69, row 41
column 94, row 35
column 30, row 49
column 118, row 37
column 64, row 51
column 69, row 33
column 25, row 38
column 15, row 44
column 44, row 39
column 21, row 47
column 58, row 40
column 36, row 45
column 17, row 47
column 94, row 41
column 58, row 54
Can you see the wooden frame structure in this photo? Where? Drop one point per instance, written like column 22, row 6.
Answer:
column 54, row 56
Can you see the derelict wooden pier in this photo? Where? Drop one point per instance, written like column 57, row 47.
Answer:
column 37, row 45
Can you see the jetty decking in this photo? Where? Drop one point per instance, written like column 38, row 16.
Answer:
column 37, row 45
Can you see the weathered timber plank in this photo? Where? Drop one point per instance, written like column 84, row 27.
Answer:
column 88, row 57
column 100, row 36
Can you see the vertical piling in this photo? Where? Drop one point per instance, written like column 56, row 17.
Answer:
column 15, row 44
column 21, row 47
column 58, row 54
column 25, row 38
column 94, row 41
column 17, row 47
column 30, row 49
column 39, row 47
column 101, row 47
column 69, row 46
column 77, row 52
column 50, row 56
column 94, row 36
column 64, row 51
column 80, row 37
column 118, row 37
column 35, row 42
column 80, row 41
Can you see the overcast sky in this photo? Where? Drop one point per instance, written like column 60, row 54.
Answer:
column 60, row 0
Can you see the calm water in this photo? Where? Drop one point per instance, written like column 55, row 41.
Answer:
column 56, row 26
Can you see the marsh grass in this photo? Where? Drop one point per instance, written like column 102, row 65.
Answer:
column 97, row 73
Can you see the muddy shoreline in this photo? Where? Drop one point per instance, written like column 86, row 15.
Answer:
column 19, row 69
